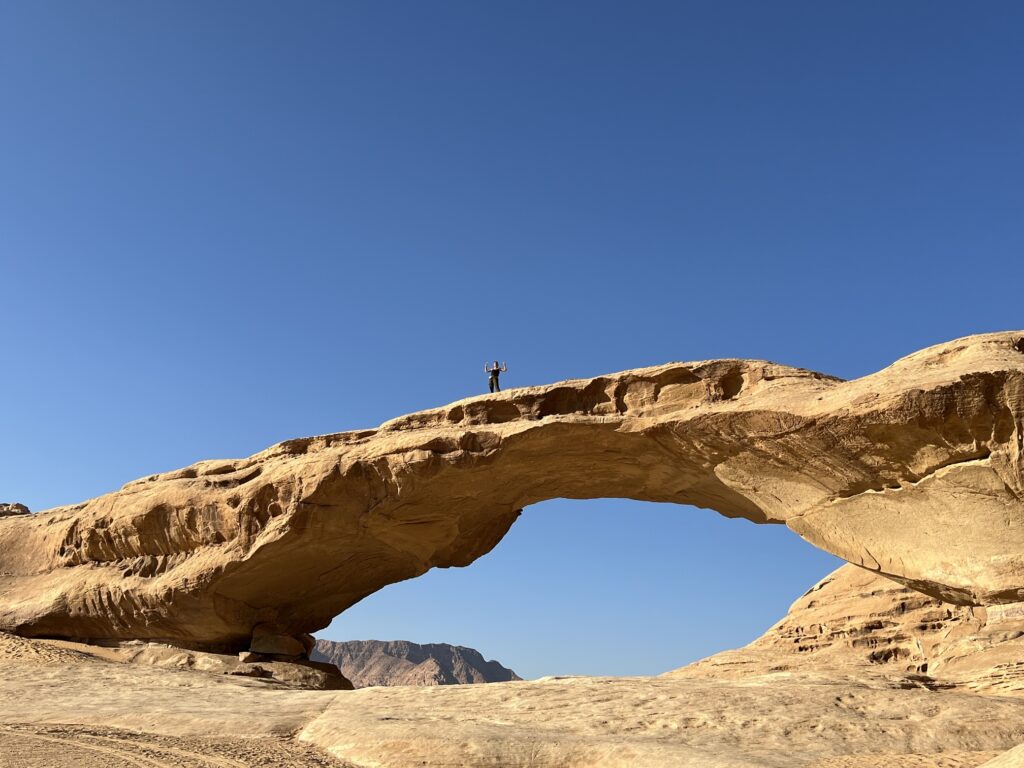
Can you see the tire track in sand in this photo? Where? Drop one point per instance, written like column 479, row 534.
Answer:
column 57, row 746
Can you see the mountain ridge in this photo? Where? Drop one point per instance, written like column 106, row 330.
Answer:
column 402, row 662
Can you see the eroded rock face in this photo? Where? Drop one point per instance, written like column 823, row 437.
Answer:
column 399, row 662
column 10, row 510
column 914, row 472
column 855, row 622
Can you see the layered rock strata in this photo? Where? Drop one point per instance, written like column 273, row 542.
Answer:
column 856, row 622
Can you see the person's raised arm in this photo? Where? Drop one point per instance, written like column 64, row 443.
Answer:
column 504, row 368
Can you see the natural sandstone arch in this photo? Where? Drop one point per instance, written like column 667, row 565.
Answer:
column 914, row 472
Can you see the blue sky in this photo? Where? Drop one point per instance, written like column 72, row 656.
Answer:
column 226, row 224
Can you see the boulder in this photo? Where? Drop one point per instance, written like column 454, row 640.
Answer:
column 266, row 640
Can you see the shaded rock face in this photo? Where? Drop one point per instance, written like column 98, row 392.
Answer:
column 10, row 510
column 399, row 662
column 914, row 472
column 285, row 670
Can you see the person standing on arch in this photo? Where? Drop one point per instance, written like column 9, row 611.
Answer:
column 495, row 373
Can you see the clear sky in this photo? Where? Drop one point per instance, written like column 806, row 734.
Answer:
column 224, row 224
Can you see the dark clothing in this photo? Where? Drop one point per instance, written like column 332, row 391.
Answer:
column 493, row 383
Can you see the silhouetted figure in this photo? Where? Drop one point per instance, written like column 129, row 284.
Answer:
column 495, row 373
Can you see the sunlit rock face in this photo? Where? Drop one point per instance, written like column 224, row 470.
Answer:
column 855, row 623
column 914, row 472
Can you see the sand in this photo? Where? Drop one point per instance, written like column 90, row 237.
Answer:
column 67, row 705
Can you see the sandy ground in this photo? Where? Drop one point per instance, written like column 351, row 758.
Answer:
column 772, row 721
column 62, row 705
column 35, row 746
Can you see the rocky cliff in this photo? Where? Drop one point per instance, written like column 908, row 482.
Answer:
column 399, row 662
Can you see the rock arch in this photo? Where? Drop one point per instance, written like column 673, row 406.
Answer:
column 914, row 472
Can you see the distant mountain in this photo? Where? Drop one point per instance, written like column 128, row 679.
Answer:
column 398, row 662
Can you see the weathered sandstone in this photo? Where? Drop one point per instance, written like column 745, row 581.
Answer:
column 284, row 670
column 1012, row 759
column 914, row 472
column 855, row 622
column 860, row 673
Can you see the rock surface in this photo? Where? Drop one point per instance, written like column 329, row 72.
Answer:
column 399, row 662
column 10, row 510
column 812, row 692
column 1012, row 759
column 825, row 707
column 285, row 670
column 915, row 472
column 855, row 620
column 763, row 721
column 266, row 640
column 65, row 705
column 860, row 673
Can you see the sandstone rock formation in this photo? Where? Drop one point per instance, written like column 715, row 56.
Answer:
column 914, row 472
column 10, row 510
column 399, row 662
column 285, row 670
column 857, row 622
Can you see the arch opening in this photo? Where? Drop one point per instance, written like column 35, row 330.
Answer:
column 601, row 587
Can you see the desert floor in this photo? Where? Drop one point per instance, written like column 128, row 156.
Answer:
column 68, row 705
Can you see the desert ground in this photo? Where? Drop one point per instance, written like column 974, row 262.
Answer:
column 763, row 706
